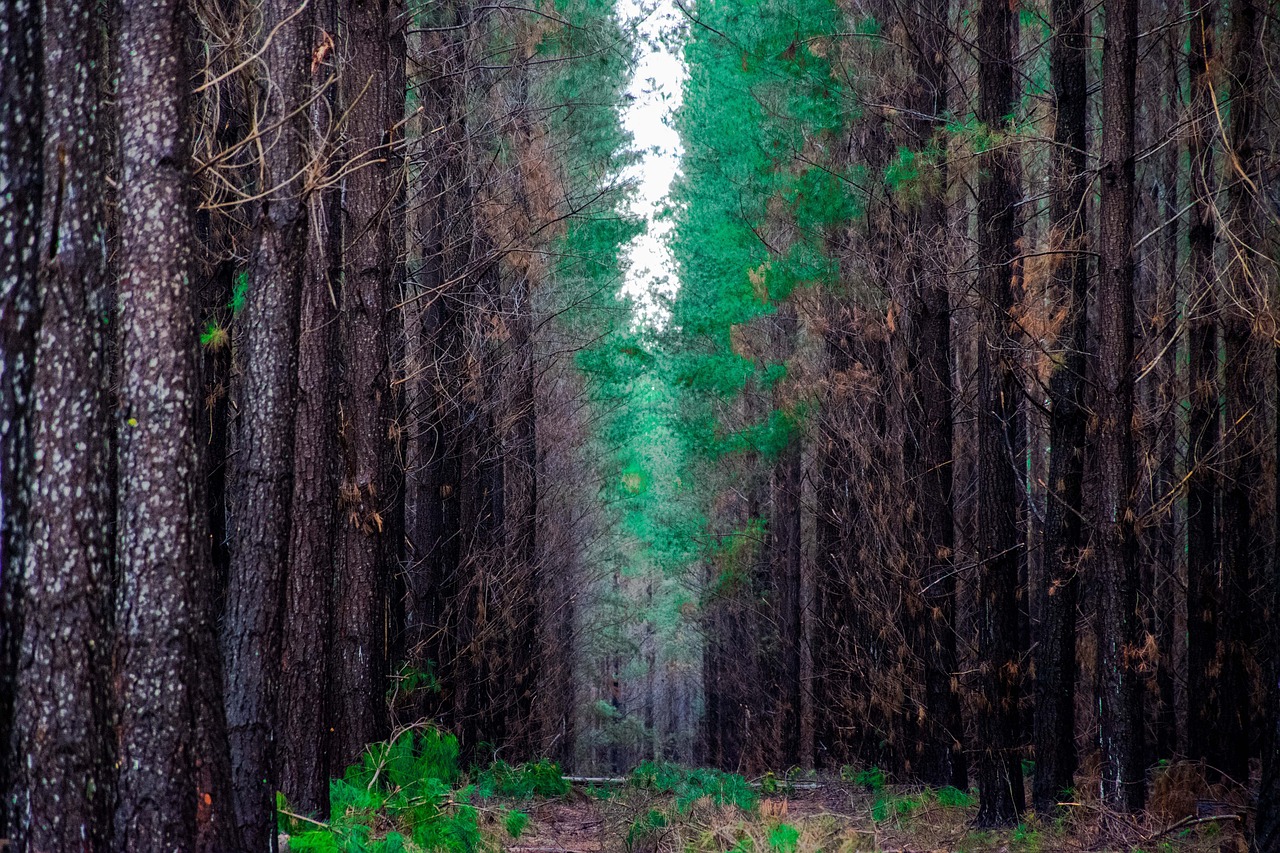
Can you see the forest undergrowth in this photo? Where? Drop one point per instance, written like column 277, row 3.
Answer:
column 411, row 793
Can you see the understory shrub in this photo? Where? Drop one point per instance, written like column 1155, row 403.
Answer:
column 690, row 785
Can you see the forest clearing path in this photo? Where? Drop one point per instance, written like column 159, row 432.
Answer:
column 574, row 825
column 830, row 817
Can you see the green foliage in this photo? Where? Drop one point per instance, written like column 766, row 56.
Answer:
column 691, row 785
column 400, row 793
column 215, row 336
column 540, row 778
column 239, row 292
column 954, row 798
column 873, row 779
column 645, row 828
column 409, row 679
column 784, row 838
column 515, row 822
column 900, row 807
column 1026, row 838
column 897, row 807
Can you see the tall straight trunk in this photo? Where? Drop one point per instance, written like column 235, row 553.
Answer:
column 1203, row 605
column 999, row 766
column 261, row 482
column 62, row 713
column 520, row 499
column 1166, row 550
column 929, row 454
column 433, row 484
column 1242, row 523
column 22, row 175
column 785, row 557
column 1119, row 685
column 1055, row 659
column 523, row 577
column 308, row 608
column 1266, row 837
column 373, row 98
column 215, row 236
column 161, row 523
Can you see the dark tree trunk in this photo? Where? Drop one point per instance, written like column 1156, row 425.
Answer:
column 216, row 234
column 62, row 715
column 999, row 765
column 1243, row 519
column 785, row 548
column 261, row 486
column 373, row 96
column 1055, row 660
column 928, row 453
column 161, row 522
column 1119, row 685
column 1203, row 605
column 1166, row 549
column 308, row 608
column 22, row 175
column 1266, row 837
column 520, row 500
column 433, row 485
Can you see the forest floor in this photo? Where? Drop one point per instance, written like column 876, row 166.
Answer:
column 843, row 818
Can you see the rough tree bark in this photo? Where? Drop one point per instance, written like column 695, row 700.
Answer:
column 373, row 98
column 1203, row 605
column 1243, row 497
column 1119, row 686
column 64, row 796
column 308, row 608
column 433, row 485
column 1055, row 659
column 161, row 522
column 930, row 436
column 784, row 555
column 22, row 176
column 999, row 765
column 261, row 483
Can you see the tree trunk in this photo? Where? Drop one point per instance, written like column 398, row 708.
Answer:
column 261, row 487
column 308, row 609
column 161, row 521
column 22, row 175
column 1167, row 549
column 1123, row 782
column 929, row 452
column 62, row 712
column 784, row 556
column 1203, row 605
column 373, row 96
column 1247, row 378
column 999, row 544
column 1055, row 660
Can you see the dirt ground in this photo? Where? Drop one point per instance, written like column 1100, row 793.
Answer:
column 841, row 818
